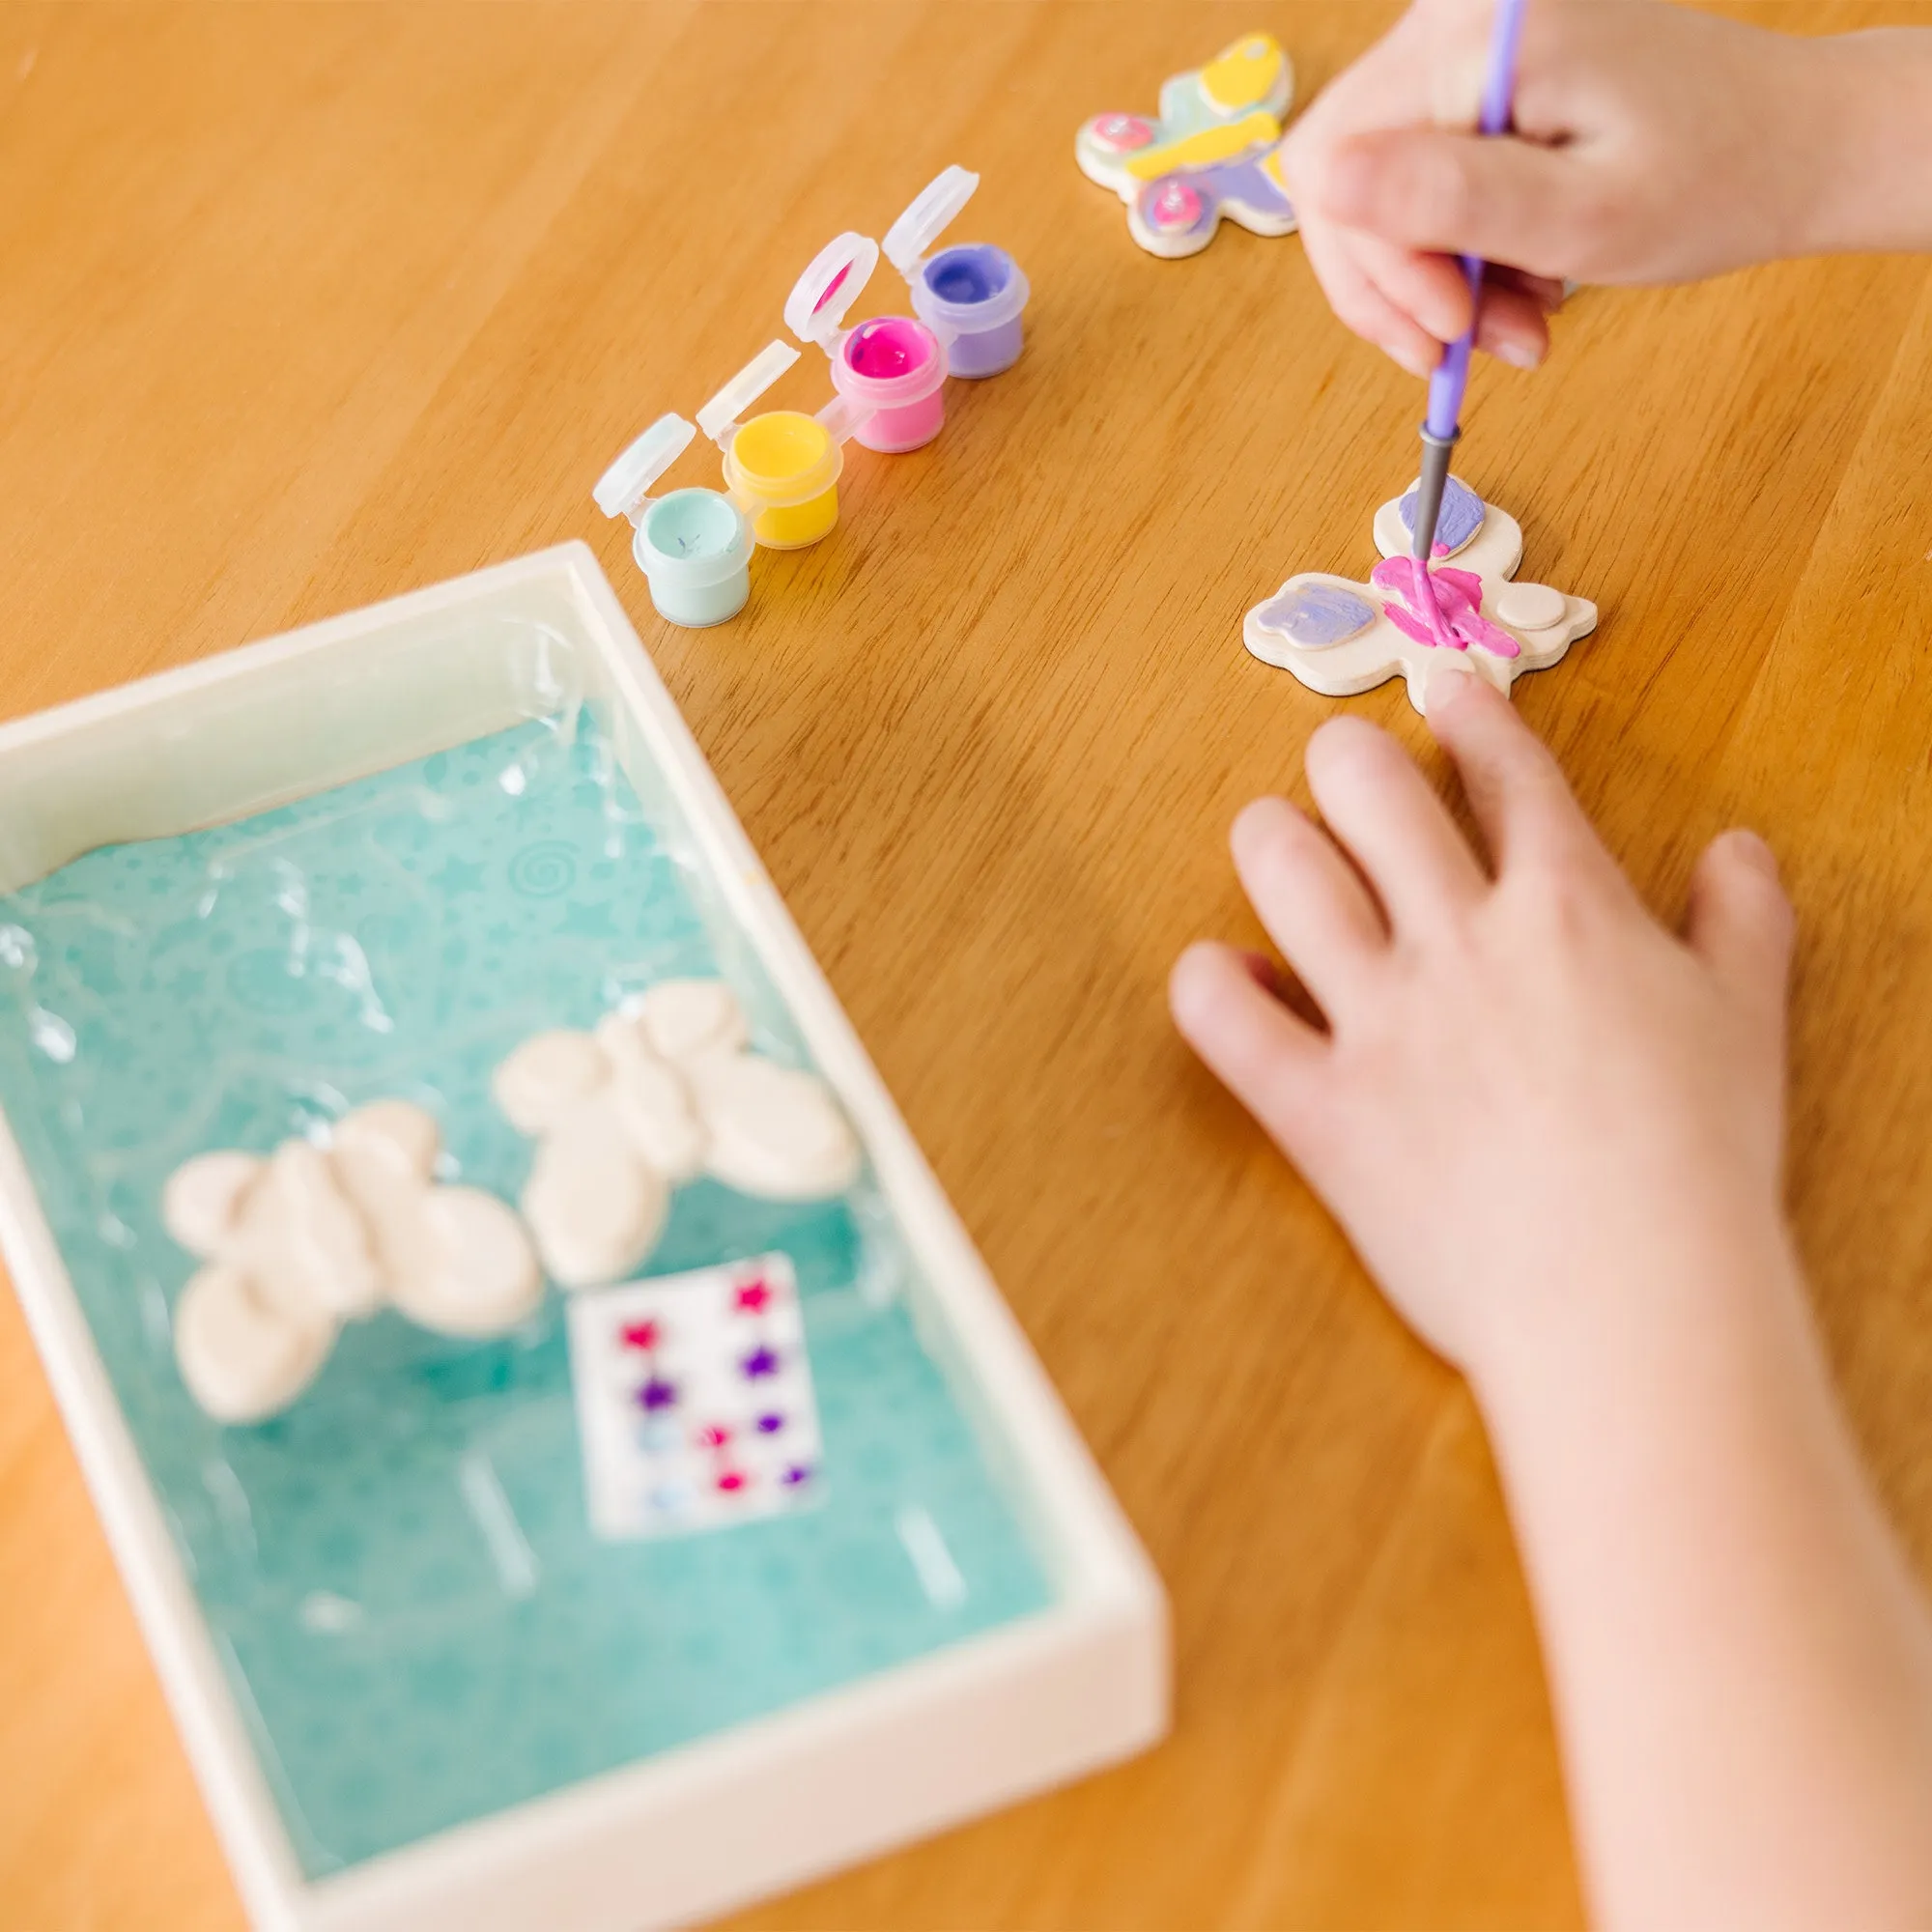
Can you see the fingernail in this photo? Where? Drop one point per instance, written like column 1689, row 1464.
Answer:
column 1750, row 847
column 1441, row 684
column 1520, row 355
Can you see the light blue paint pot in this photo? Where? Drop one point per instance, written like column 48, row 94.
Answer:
column 695, row 549
column 971, row 295
column 694, row 546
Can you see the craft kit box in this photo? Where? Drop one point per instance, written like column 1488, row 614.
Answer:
column 465, row 1635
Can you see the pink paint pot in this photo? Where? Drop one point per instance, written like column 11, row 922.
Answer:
column 892, row 366
column 896, row 367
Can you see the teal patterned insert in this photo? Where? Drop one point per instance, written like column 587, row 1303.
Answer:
column 417, row 1624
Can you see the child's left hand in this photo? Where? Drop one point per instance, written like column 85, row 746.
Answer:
column 1530, row 1095
column 1553, row 1133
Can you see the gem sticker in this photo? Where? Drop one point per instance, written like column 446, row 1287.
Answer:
column 694, row 1400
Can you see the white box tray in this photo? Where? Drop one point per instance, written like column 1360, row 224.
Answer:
column 702, row 1826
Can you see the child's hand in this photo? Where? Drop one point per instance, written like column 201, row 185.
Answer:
column 1552, row 1131
column 1529, row 1088
column 1653, row 144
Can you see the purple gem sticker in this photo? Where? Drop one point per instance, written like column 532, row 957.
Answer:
column 656, row 1394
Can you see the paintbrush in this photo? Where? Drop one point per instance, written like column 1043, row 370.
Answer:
column 1441, row 427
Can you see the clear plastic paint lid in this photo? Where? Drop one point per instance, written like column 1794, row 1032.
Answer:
column 815, row 309
column 744, row 388
column 624, row 488
column 936, row 209
column 962, row 289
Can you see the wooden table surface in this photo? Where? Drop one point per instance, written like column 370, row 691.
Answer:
column 304, row 306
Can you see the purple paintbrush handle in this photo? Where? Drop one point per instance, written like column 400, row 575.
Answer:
column 1452, row 374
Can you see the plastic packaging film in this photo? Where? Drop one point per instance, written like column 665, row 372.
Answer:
column 426, row 1613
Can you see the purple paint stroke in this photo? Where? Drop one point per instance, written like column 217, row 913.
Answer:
column 1209, row 190
column 1314, row 617
column 1462, row 515
column 1246, row 181
column 1191, row 200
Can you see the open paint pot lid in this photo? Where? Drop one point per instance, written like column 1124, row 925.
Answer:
column 624, row 487
column 964, row 290
column 817, row 308
column 744, row 388
column 929, row 216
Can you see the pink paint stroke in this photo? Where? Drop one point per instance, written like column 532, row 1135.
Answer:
column 1458, row 596
column 1422, row 592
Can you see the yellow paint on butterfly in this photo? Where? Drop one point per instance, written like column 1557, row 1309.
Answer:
column 1243, row 73
column 1204, row 149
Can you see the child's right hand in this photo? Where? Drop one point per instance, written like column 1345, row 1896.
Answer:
column 1652, row 144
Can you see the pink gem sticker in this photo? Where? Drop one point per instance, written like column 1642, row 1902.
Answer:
column 1123, row 132
column 1175, row 205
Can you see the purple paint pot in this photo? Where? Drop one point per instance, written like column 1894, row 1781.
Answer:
column 892, row 367
column 971, row 295
column 974, row 292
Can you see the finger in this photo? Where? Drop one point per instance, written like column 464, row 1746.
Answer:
column 1517, row 791
column 1272, row 1062
column 1513, row 327
column 1504, row 199
column 1547, row 292
column 1310, row 898
column 1434, row 292
column 1261, row 969
column 1431, row 290
column 1741, row 924
column 1380, row 808
column 1363, row 307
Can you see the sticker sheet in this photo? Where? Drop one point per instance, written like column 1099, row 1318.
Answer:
column 694, row 1400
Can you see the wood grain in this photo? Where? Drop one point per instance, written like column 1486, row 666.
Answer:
column 305, row 306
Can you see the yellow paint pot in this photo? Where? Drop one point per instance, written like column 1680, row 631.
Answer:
column 783, row 466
